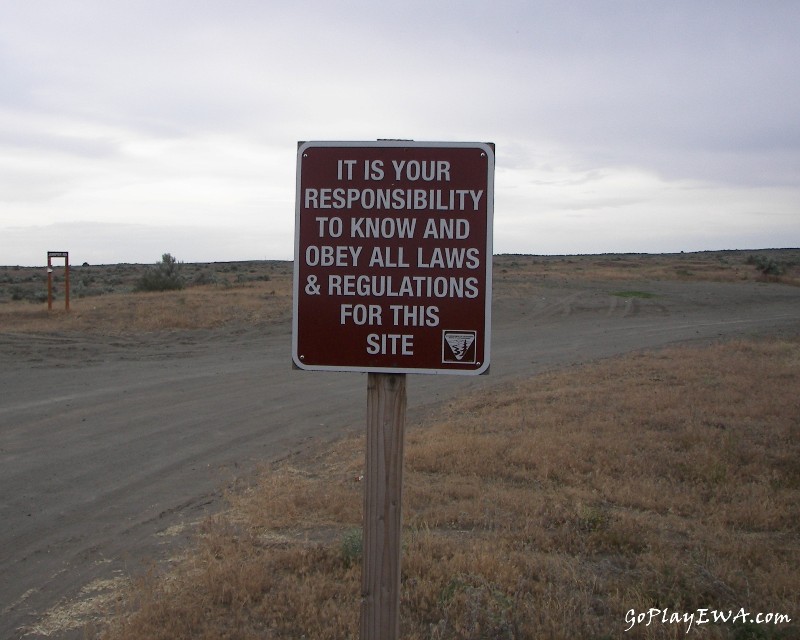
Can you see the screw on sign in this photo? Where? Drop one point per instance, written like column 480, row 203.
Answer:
column 392, row 275
column 393, row 253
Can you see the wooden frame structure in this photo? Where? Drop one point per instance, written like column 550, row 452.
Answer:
column 50, row 256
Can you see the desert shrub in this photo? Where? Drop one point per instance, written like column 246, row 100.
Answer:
column 204, row 277
column 164, row 276
column 766, row 265
column 771, row 267
column 19, row 293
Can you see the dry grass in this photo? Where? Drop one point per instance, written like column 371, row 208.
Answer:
column 201, row 307
column 102, row 301
column 514, row 274
column 545, row 510
column 259, row 292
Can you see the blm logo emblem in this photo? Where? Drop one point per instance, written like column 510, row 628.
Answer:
column 458, row 346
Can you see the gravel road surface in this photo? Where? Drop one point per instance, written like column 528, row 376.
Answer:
column 108, row 444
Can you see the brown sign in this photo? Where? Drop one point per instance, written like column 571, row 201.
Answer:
column 393, row 257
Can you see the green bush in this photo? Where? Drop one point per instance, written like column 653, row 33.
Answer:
column 164, row 276
column 204, row 277
column 766, row 265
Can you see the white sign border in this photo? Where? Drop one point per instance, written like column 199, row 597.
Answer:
column 483, row 146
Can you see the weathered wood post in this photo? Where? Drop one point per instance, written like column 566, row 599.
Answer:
column 383, row 493
column 66, row 281
column 49, row 283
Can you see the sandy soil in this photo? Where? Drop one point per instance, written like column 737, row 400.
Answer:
column 111, row 446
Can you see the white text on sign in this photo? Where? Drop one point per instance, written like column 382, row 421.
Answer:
column 393, row 199
column 413, row 170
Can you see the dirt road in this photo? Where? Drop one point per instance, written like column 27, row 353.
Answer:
column 109, row 444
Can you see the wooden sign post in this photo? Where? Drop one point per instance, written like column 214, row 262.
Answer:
column 392, row 275
column 383, row 497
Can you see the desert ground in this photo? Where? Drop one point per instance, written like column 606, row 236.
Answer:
column 126, row 420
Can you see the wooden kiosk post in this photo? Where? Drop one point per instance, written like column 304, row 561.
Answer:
column 50, row 256
column 383, row 496
column 392, row 275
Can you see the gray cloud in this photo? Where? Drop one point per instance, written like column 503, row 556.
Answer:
column 131, row 111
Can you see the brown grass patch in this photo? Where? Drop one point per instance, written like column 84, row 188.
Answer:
column 200, row 307
column 515, row 274
column 257, row 292
column 547, row 509
column 102, row 300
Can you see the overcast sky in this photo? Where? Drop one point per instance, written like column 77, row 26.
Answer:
column 133, row 128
